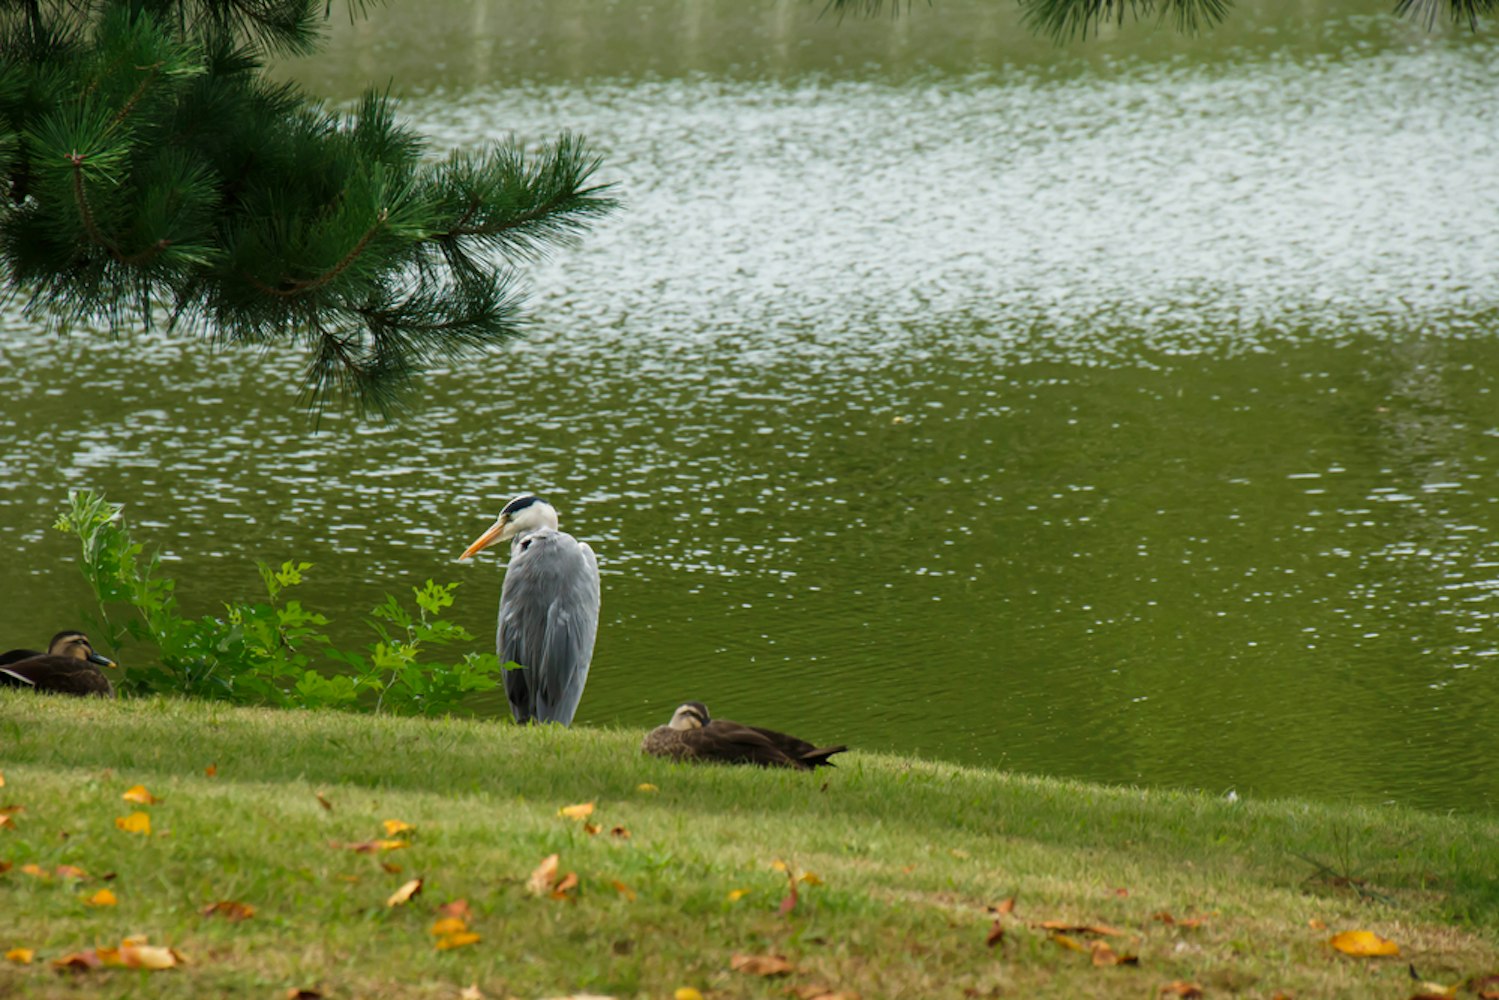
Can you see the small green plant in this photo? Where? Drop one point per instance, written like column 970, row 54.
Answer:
column 270, row 652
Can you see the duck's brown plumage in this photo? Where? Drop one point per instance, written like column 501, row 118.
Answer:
column 70, row 666
column 693, row 735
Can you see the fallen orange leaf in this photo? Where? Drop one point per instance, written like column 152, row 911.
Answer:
column 760, row 965
column 2, row 779
column 456, row 940
column 138, row 794
column 448, row 925
column 147, row 956
column 402, row 895
column 1316, row 925
column 7, row 821
column 230, row 910
column 212, row 770
column 395, row 826
column 101, row 898
column 1487, row 987
column 136, row 822
column 1003, row 906
column 581, row 811
column 35, row 871
column 70, row 871
column 457, row 908
column 1182, row 988
column 540, row 882
column 1364, row 944
column 568, row 884
column 20, row 956
column 592, row 829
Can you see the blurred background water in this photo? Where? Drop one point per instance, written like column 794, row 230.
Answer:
column 1124, row 411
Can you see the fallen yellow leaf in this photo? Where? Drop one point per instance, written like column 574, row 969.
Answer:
column 147, row 956
column 20, row 956
column 101, row 898
column 372, row 846
column 456, row 940
column 686, row 993
column 811, row 878
column 1364, row 944
column 540, row 882
column 735, row 895
column 136, row 822
column 778, row 865
column 448, row 925
column 646, row 786
column 581, row 811
column 395, row 826
column 1070, row 943
column 402, row 895
column 2, row 779
column 139, row 795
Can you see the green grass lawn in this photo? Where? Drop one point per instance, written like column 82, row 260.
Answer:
column 901, row 860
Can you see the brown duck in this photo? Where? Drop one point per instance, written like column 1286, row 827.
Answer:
column 693, row 735
column 69, row 666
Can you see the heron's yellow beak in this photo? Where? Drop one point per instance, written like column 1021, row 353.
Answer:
column 497, row 533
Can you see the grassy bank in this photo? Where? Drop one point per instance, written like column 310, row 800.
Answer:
column 900, row 857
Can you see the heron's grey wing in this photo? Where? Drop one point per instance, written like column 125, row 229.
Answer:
column 572, row 628
column 549, row 615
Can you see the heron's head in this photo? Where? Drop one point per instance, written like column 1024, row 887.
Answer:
column 521, row 516
column 75, row 646
column 691, row 715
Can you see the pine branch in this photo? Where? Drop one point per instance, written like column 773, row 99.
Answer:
column 1066, row 19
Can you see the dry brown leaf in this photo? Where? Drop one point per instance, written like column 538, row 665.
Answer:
column 819, row 991
column 592, row 829
column 1071, row 928
column 231, row 910
column 1487, row 987
column 1003, row 906
column 620, row 832
column 996, row 933
column 139, row 795
column 101, row 898
column 7, row 821
column 1181, row 988
column 456, row 908
column 301, row 994
column 580, row 811
column 136, row 822
column 1105, row 955
column 20, row 956
column 5, row 866
column 541, row 880
column 391, row 868
column 760, row 965
column 1187, row 922
column 79, row 961
column 322, row 800
column 1363, row 944
column 405, row 893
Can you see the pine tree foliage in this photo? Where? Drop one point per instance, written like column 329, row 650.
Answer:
column 151, row 169
column 1065, row 19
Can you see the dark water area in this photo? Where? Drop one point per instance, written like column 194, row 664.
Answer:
column 1124, row 411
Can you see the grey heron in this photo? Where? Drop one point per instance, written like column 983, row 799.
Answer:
column 693, row 735
column 549, row 610
column 69, row 666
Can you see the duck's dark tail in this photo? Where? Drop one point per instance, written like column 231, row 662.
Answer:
column 819, row 757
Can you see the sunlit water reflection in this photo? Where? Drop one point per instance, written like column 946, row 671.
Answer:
column 1137, row 426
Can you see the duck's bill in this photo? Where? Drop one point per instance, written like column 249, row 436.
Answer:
column 485, row 540
column 102, row 660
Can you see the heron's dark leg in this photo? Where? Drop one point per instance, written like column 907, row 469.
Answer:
column 518, row 690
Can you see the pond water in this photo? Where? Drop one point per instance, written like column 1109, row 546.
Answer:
column 1125, row 411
